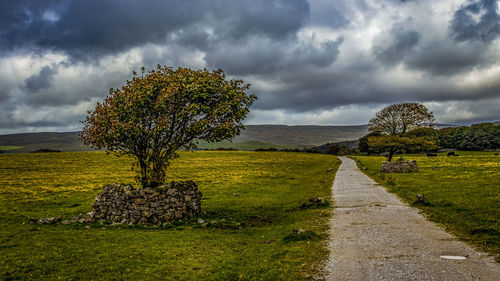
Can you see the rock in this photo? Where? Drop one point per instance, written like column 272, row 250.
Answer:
column 164, row 204
column 236, row 194
column 317, row 201
column 420, row 199
column 408, row 166
column 66, row 222
column 50, row 220
column 330, row 170
column 298, row 231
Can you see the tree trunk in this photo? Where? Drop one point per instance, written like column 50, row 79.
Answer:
column 391, row 153
column 144, row 173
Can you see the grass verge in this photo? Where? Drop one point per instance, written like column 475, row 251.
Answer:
column 250, row 200
column 463, row 193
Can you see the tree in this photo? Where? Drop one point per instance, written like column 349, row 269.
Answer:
column 395, row 124
column 163, row 110
column 423, row 138
column 446, row 137
column 338, row 149
column 363, row 143
column 476, row 137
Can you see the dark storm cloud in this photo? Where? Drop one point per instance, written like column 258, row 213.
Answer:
column 59, row 57
column 265, row 56
column 320, row 90
column 276, row 18
column 63, row 93
column 41, row 80
column 487, row 28
column 88, row 28
column 437, row 57
column 316, row 89
column 328, row 13
column 93, row 28
column 403, row 45
column 443, row 58
column 6, row 89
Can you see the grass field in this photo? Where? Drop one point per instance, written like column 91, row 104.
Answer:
column 248, row 145
column 463, row 193
column 257, row 193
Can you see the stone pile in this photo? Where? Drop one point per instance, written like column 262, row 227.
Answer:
column 120, row 203
column 408, row 166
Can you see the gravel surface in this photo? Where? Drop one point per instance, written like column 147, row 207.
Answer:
column 374, row 236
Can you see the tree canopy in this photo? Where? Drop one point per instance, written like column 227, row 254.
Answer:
column 476, row 137
column 397, row 119
column 163, row 110
column 403, row 126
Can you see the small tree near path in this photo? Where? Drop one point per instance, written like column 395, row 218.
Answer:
column 395, row 123
column 163, row 110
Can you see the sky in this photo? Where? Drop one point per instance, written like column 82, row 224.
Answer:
column 316, row 62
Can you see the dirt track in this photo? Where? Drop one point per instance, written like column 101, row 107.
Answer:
column 375, row 236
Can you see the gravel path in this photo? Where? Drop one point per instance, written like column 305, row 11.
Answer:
column 374, row 236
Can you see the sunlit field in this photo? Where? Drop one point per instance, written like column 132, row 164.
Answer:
column 250, row 201
column 463, row 192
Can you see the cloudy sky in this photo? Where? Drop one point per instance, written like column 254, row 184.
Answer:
column 324, row 62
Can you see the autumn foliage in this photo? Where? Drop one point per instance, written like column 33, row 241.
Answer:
column 163, row 110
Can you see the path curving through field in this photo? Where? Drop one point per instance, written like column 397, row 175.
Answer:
column 374, row 236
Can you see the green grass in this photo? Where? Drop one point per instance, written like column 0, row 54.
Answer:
column 463, row 192
column 269, row 187
column 248, row 145
column 10, row 147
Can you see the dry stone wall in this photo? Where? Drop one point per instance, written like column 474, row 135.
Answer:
column 120, row 203
column 408, row 166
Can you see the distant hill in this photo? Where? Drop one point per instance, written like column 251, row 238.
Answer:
column 28, row 142
column 253, row 137
column 301, row 135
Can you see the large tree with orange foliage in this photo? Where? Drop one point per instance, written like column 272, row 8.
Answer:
column 163, row 110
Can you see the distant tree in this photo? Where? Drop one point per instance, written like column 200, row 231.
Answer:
column 428, row 139
column 446, row 138
column 395, row 122
column 337, row 149
column 163, row 110
column 476, row 137
column 363, row 143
